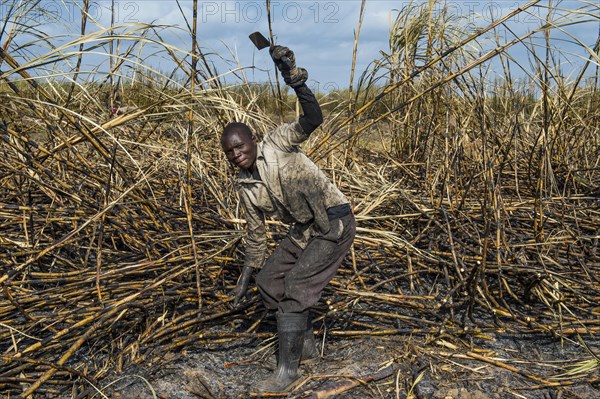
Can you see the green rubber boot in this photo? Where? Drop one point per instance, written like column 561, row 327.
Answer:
column 291, row 329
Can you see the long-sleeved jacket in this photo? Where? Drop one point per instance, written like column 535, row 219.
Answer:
column 291, row 188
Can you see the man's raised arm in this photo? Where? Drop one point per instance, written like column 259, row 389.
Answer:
column 312, row 117
column 296, row 78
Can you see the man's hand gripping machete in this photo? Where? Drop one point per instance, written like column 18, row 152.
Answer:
column 284, row 60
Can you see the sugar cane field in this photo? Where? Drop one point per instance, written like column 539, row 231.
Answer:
column 473, row 175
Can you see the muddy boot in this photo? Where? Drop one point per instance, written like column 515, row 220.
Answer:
column 309, row 348
column 291, row 328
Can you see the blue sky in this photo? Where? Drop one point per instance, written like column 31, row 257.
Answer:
column 321, row 33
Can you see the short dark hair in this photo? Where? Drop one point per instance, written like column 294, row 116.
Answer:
column 237, row 127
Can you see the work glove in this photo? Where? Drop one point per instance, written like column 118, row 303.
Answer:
column 286, row 63
column 242, row 286
column 283, row 58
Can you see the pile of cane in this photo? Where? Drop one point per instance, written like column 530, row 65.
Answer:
column 100, row 270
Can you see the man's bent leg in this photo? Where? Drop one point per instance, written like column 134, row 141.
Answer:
column 316, row 266
column 270, row 279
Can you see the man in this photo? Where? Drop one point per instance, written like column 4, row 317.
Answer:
column 277, row 180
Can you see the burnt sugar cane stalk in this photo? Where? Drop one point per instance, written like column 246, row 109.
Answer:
column 419, row 70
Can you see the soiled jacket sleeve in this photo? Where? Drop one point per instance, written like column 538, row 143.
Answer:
column 256, row 239
column 290, row 135
column 312, row 116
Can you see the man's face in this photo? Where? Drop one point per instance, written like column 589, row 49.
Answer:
column 239, row 149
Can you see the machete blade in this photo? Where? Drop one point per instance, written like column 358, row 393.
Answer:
column 259, row 40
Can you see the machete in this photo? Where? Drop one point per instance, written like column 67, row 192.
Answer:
column 259, row 40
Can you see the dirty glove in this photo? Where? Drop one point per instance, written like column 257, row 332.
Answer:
column 296, row 78
column 286, row 63
column 242, row 285
column 283, row 58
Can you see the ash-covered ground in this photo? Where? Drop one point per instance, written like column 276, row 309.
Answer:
column 476, row 366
